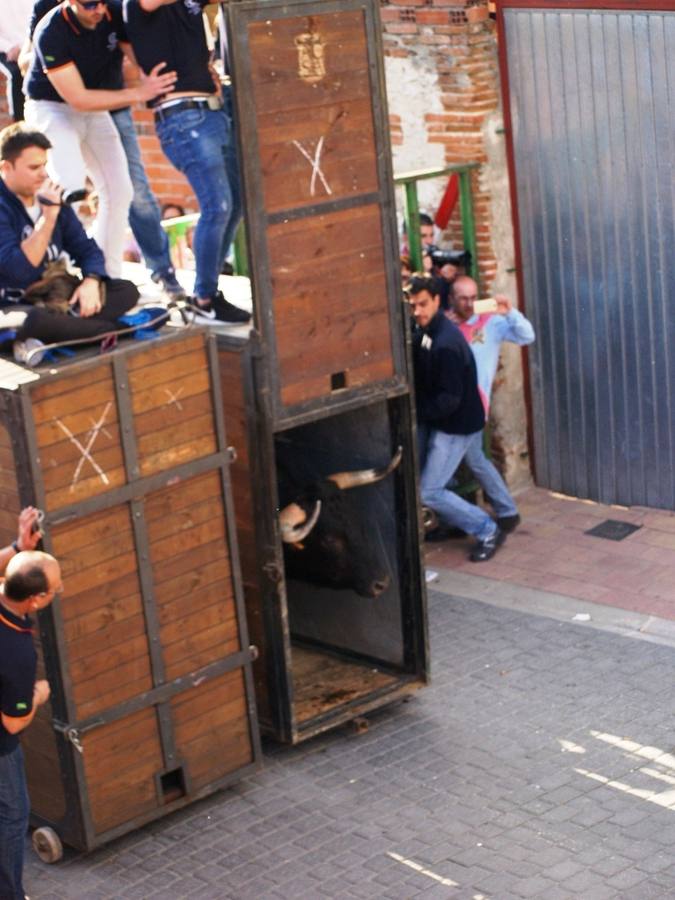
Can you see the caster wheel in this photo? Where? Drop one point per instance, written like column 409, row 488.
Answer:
column 47, row 844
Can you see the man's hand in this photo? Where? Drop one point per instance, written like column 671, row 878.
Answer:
column 41, row 692
column 53, row 192
column 27, row 539
column 13, row 53
column 504, row 305
column 88, row 296
column 156, row 84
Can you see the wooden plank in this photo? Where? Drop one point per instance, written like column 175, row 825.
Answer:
column 176, row 498
column 64, row 454
column 199, row 430
column 220, row 613
column 190, row 407
column 177, row 455
column 160, row 351
column 96, row 537
column 111, row 603
column 291, row 124
column 331, row 90
column 181, row 543
column 74, row 471
column 79, row 423
column 198, row 701
column 96, row 578
column 218, row 593
column 111, row 688
column 170, row 372
column 205, row 511
column 84, row 489
column 102, row 643
column 319, row 386
column 47, row 389
column 91, row 399
column 185, row 657
column 155, row 397
column 322, row 682
column 187, row 589
column 84, row 668
column 87, row 625
column 189, row 562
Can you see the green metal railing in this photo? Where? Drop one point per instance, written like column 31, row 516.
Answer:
column 408, row 180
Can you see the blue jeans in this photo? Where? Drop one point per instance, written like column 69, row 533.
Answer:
column 489, row 478
column 201, row 144
column 440, row 455
column 144, row 212
column 14, row 811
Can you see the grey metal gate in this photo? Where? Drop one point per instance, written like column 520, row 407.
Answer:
column 592, row 101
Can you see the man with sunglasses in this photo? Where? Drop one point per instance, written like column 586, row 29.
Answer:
column 70, row 91
column 194, row 124
column 32, row 580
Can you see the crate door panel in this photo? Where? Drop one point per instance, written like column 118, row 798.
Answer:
column 319, row 196
column 192, row 575
column 172, row 405
column 77, row 434
column 102, row 610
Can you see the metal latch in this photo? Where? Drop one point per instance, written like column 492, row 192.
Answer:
column 73, row 734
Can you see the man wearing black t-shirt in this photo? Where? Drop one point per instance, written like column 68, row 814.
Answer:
column 32, row 580
column 144, row 212
column 69, row 98
column 195, row 128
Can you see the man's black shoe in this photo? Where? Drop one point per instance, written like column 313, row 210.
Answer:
column 509, row 523
column 486, row 549
column 218, row 310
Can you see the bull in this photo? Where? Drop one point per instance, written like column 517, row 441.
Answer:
column 323, row 544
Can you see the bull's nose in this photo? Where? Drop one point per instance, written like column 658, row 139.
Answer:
column 379, row 586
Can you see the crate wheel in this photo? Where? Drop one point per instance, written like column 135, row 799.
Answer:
column 47, row 844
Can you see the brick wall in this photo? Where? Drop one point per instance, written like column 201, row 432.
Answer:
column 454, row 44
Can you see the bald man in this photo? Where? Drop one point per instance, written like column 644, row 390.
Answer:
column 32, row 580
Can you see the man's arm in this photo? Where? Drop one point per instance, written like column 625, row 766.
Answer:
column 67, row 81
column 35, row 245
column 26, row 538
column 512, row 324
column 15, row 724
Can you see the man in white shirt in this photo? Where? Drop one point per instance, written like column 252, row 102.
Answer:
column 13, row 31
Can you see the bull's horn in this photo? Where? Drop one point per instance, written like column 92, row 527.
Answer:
column 296, row 524
column 345, row 480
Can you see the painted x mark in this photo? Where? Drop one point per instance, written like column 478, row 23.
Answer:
column 85, row 449
column 315, row 163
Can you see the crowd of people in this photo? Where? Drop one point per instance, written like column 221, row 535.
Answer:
column 63, row 64
column 455, row 358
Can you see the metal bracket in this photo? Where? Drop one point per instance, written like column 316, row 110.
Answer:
column 72, row 734
column 232, row 454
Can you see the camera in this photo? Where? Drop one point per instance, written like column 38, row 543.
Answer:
column 67, row 198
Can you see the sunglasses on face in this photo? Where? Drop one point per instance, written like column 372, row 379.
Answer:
column 91, row 5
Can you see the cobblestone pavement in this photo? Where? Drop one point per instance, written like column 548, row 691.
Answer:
column 537, row 764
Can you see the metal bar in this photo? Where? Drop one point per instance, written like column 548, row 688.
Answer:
column 161, row 693
column 316, row 209
column 240, row 252
column 468, row 222
column 422, row 174
column 128, row 492
column 126, row 416
column 303, row 413
column 412, row 225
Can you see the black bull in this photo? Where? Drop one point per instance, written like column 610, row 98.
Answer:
column 323, row 542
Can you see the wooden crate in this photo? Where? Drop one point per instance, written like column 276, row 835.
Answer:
column 326, row 656
column 147, row 651
column 319, row 199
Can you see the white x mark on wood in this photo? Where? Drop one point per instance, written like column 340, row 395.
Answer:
column 315, row 163
column 85, row 450
column 173, row 398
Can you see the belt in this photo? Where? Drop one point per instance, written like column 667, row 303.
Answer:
column 182, row 105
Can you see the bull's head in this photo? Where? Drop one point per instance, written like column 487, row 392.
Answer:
column 323, row 543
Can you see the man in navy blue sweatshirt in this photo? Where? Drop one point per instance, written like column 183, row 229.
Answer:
column 450, row 415
column 35, row 229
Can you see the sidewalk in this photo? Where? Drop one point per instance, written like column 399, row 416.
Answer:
column 551, row 552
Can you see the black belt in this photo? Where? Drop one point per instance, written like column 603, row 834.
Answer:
column 162, row 114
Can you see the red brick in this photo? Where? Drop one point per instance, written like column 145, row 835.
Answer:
column 401, row 28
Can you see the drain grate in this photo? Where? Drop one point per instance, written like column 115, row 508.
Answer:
column 613, row 530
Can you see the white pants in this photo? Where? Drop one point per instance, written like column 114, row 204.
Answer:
column 88, row 143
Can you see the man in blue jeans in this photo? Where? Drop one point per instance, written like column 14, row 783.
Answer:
column 195, row 127
column 450, row 418
column 144, row 212
column 32, row 580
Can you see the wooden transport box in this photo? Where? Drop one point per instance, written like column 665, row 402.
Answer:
column 319, row 198
column 326, row 655
column 147, row 651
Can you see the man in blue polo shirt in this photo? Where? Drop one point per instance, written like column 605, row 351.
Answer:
column 32, row 580
column 144, row 212
column 195, row 127
column 68, row 98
